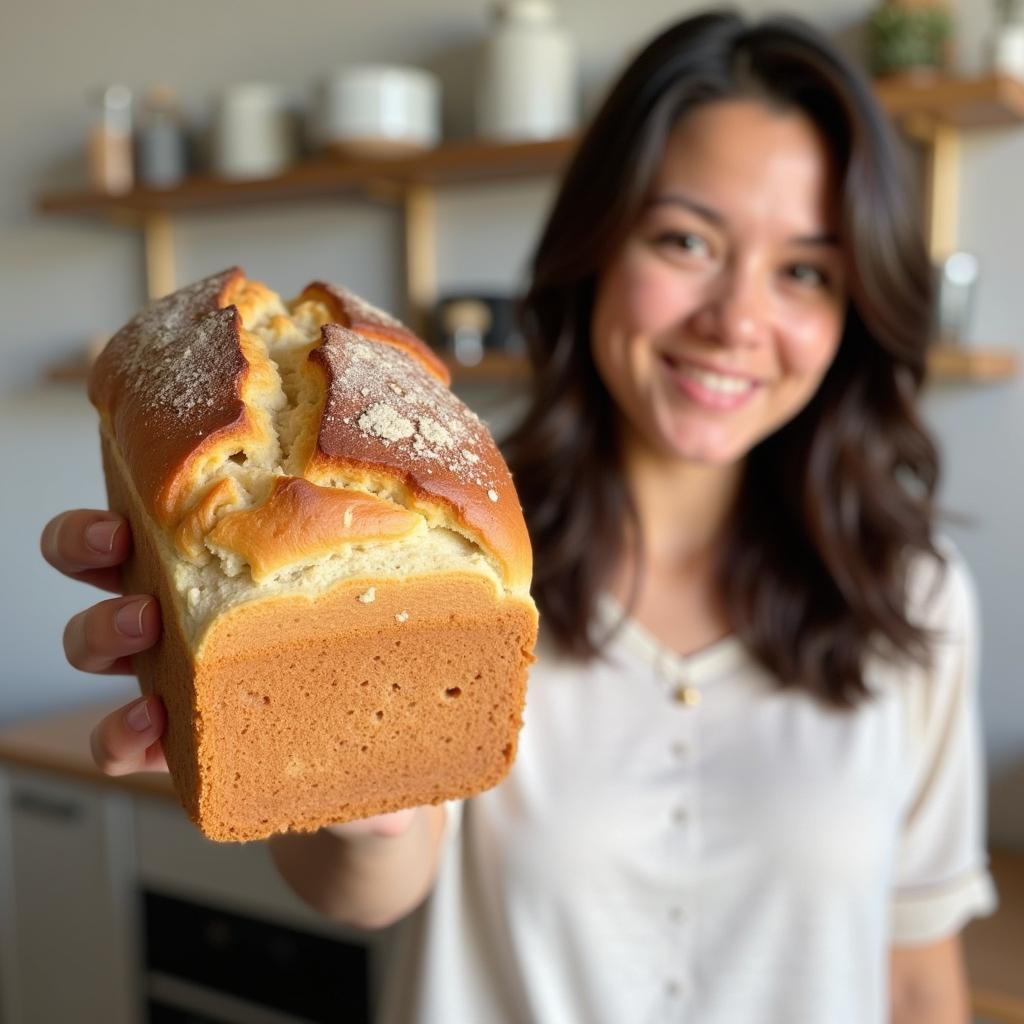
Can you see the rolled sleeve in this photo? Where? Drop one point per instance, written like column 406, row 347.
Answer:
column 942, row 877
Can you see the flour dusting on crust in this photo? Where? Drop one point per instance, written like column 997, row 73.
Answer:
column 181, row 352
column 402, row 407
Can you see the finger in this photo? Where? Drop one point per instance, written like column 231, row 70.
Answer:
column 87, row 545
column 129, row 739
column 99, row 638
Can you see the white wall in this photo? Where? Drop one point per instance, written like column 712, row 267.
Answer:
column 61, row 281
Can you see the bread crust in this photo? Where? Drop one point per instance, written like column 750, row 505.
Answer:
column 460, row 475
column 296, row 705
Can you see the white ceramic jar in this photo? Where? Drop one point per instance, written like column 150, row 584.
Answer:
column 528, row 86
column 381, row 110
column 253, row 132
column 1008, row 50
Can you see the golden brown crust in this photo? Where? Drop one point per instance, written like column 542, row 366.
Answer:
column 348, row 310
column 185, row 386
column 387, row 421
column 302, row 523
column 201, row 519
column 170, row 384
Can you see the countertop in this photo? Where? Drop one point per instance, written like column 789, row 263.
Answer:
column 994, row 945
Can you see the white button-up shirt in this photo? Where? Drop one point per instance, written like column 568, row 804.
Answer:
column 681, row 839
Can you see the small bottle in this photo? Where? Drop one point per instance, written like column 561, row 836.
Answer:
column 160, row 140
column 110, row 142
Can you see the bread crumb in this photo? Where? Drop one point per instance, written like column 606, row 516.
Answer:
column 493, row 495
column 346, row 519
column 369, row 596
column 402, row 617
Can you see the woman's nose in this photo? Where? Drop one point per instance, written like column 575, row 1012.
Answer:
column 734, row 311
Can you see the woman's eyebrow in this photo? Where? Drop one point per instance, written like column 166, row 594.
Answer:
column 719, row 220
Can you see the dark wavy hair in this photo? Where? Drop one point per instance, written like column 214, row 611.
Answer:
column 831, row 507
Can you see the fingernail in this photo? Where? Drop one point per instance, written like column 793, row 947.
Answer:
column 138, row 716
column 128, row 619
column 100, row 535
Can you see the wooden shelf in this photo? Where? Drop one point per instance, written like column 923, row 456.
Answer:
column 328, row 177
column 947, row 363
column 987, row 101
column 495, row 368
column 966, row 102
column 932, row 108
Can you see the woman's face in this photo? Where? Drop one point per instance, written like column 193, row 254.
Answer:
column 717, row 320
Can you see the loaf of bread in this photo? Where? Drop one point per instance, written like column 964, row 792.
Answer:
column 338, row 550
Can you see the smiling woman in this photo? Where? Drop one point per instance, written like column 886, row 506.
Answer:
column 733, row 275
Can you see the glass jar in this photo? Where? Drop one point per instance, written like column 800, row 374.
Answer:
column 160, row 155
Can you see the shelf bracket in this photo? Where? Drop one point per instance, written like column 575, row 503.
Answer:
column 420, row 265
column 158, row 239
column 942, row 181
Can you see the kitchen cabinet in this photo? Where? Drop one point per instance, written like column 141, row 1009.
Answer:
column 70, row 950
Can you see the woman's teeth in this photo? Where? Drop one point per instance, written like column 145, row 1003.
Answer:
column 717, row 382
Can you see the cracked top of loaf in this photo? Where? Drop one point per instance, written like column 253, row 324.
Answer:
column 270, row 434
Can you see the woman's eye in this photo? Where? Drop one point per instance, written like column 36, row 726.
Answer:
column 686, row 241
column 810, row 275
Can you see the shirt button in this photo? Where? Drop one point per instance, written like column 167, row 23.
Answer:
column 673, row 988
column 680, row 749
column 676, row 915
column 679, row 815
column 688, row 696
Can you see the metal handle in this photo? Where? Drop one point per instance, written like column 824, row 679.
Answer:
column 44, row 806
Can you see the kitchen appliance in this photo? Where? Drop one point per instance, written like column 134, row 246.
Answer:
column 206, row 964
column 468, row 326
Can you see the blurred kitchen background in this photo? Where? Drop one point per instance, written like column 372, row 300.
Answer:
column 409, row 151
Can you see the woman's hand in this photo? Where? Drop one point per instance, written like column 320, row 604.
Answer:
column 383, row 826
column 90, row 545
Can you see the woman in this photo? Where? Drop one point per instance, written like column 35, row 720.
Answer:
column 748, row 786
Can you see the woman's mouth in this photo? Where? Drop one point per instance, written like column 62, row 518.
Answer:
column 711, row 389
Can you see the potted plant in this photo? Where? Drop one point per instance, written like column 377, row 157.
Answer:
column 909, row 37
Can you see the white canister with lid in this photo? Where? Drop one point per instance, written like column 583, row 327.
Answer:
column 1008, row 40
column 381, row 110
column 253, row 132
column 528, row 86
